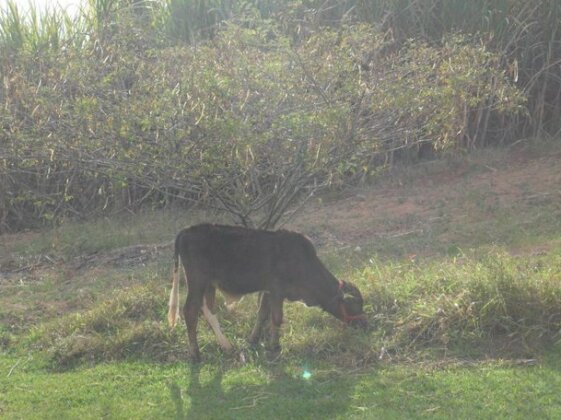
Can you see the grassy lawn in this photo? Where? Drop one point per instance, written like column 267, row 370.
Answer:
column 148, row 390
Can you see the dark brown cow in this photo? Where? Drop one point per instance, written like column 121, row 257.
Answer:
column 238, row 261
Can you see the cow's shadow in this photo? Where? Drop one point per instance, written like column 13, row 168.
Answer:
column 221, row 392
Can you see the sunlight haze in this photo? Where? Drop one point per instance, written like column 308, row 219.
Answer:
column 71, row 6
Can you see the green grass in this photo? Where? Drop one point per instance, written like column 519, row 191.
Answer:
column 148, row 390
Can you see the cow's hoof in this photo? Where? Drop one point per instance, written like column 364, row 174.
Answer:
column 273, row 354
column 253, row 343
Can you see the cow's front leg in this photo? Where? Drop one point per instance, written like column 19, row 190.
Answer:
column 276, row 321
column 262, row 316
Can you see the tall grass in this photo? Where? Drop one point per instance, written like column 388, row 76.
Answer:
column 36, row 32
column 476, row 307
column 528, row 34
column 505, row 304
column 192, row 20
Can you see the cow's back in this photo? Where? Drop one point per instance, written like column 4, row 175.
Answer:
column 239, row 260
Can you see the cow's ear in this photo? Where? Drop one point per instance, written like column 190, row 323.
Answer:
column 347, row 291
column 348, row 296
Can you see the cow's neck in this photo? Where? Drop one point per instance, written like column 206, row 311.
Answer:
column 329, row 297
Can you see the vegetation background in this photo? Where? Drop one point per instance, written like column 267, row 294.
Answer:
column 249, row 108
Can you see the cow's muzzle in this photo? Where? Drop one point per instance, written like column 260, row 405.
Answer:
column 358, row 321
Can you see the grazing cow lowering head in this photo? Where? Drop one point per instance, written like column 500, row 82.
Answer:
column 282, row 265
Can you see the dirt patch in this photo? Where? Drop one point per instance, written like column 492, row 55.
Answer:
column 126, row 257
column 407, row 204
column 130, row 256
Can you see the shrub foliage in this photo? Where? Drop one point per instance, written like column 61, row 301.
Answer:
column 249, row 106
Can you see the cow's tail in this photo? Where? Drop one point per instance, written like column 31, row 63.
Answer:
column 173, row 306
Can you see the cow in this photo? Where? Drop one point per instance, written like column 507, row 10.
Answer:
column 238, row 261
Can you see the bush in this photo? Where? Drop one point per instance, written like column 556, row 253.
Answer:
column 250, row 121
column 451, row 96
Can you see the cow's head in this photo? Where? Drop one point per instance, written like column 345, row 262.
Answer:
column 350, row 305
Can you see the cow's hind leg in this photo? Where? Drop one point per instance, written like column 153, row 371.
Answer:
column 212, row 320
column 262, row 316
column 191, row 312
